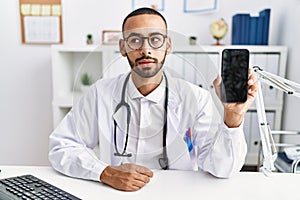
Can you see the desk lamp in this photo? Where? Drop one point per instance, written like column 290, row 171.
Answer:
column 268, row 147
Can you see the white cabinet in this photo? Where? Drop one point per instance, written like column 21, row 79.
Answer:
column 197, row 64
column 68, row 64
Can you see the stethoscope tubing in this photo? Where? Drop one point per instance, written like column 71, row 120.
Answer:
column 162, row 161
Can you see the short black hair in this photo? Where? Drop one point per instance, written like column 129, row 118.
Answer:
column 142, row 11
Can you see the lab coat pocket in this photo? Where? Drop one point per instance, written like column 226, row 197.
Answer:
column 177, row 151
column 179, row 155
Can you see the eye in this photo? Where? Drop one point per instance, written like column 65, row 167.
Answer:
column 156, row 39
column 134, row 40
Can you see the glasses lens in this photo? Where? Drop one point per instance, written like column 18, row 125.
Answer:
column 135, row 42
column 156, row 41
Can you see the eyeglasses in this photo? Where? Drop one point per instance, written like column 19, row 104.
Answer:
column 136, row 41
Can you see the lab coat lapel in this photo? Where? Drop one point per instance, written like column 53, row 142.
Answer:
column 120, row 117
column 177, row 152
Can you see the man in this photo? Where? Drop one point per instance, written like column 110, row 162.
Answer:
column 146, row 119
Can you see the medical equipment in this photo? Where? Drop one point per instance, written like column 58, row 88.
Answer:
column 163, row 162
column 268, row 147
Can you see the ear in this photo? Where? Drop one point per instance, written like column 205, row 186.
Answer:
column 122, row 47
column 169, row 45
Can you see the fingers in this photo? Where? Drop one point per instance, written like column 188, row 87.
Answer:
column 250, row 71
column 141, row 181
column 144, row 171
column 217, row 85
column 141, row 177
column 135, row 181
column 137, row 168
column 252, row 85
column 131, row 184
column 217, row 81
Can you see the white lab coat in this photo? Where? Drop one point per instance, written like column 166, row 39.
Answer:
column 216, row 148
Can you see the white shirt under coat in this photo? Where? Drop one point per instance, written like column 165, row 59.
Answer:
column 216, row 148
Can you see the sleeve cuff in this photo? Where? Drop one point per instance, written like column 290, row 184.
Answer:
column 97, row 171
column 232, row 131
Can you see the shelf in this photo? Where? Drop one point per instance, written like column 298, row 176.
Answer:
column 67, row 100
column 84, row 48
column 218, row 49
column 177, row 49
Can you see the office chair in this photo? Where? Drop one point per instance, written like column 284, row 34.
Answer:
column 285, row 139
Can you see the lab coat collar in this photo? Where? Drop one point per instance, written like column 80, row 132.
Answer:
column 155, row 96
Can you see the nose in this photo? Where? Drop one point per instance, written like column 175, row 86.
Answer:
column 145, row 48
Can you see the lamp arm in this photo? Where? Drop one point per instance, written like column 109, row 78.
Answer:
column 285, row 85
column 268, row 147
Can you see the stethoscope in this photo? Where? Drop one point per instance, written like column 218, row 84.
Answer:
column 163, row 162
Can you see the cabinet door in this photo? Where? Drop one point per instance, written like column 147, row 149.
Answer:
column 207, row 66
column 174, row 63
column 182, row 65
column 189, row 66
column 202, row 70
column 247, row 129
column 269, row 63
column 197, row 68
column 272, row 66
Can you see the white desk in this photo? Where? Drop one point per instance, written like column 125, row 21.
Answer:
column 175, row 184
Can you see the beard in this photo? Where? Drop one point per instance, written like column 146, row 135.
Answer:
column 146, row 72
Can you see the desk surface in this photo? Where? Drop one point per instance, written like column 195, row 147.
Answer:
column 175, row 184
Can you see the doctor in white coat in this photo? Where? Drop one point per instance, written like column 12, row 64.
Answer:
column 146, row 119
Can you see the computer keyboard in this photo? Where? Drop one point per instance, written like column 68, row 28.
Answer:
column 29, row 187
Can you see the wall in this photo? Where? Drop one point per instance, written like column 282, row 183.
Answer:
column 82, row 17
column 290, row 32
column 25, row 78
column 25, row 85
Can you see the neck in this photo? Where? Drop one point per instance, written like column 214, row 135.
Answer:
column 146, row 85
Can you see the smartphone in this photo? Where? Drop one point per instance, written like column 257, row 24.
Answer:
column 234, row 73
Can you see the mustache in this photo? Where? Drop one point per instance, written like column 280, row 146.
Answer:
column 146, row 58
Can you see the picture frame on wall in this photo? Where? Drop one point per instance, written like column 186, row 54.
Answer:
column 158, row 5
column 111, row 37
column 203, row 6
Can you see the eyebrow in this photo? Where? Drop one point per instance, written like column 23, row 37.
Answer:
column 156, row 33
column 134, row 34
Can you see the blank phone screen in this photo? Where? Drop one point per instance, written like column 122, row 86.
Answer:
column 235, row 64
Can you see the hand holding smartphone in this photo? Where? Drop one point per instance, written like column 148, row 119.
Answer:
column 234, row 73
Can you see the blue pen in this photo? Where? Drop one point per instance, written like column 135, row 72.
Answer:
column 188, row 140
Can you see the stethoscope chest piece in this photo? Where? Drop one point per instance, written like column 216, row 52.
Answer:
column 163, row 162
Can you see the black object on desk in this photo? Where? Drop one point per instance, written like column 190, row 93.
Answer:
column 30, row 187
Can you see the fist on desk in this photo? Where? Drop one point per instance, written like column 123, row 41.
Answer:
column 126, row 177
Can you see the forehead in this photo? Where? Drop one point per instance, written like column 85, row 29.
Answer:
column 144, row 24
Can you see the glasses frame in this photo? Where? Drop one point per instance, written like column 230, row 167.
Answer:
column 143, row 39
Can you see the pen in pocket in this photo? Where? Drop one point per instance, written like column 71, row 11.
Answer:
column 188, row 139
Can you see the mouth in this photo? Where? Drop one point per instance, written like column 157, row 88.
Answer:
column 146, row 63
